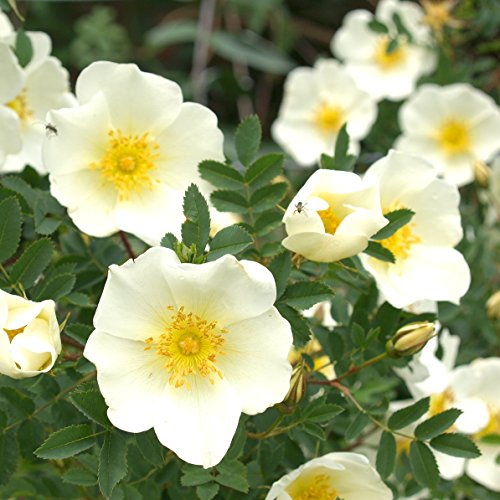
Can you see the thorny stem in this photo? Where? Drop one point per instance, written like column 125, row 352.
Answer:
column 126, row 244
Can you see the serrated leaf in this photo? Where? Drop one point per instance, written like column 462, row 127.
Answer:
column 78, row 332
column 67, row 442
column 232, row 474
column 456, row 445
column 247, row 139
column 196, row 228
column 29, row 436
column 17, row 404
column 397, row 219
column 267, row 221
column 220, row 175
column 355, row 428
column 9, row 455
column 168, row 241
column 91, row 404
column 230, row 240
column 150, row 447
column 79, row 477
column 323, row 413
column 263, row 170
column 23, row 48
column 112, row 462
column 268, row 196
column 376, row 250
column 229, row 201
column 194, row 476
column 305, row 294
column 207, row 491
column 423, row 465
column 437, row 424
column 20, row 186
column 32, row 262
column 57, row 287
column 313, row 429
column 280, row 267
column 10, row 227
column 386, row 454
column 408, row 415
column 300, row 327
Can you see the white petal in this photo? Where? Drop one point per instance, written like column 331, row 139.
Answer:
column 10, row 133
column 12, row 79
column 6, row 27
column 484, row 469
column 449, row 467
column 255, row 360
column 42, row 47
column 21, row 311
column 485, row 136
column 198, row 424
column 137, row 101
column 134, row 301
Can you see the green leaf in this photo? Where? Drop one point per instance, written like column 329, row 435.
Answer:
column 402, row 29
column 79, row 477
column 280, row 267
column 207, row 491
column 386, row 454
column 491, row 439
column 67, row 442
column 392, row 46
column 196, row 229
column 361, row 420
column 232, row 474
column 92, row 405
column 397, row 219
column 220, row 175
column 263, row 170
column 194, row 476
column 29, row 436
column 327, row 162
column 437, row 424
column 313, row 429
column 423, row 465
column 18, row 404
column 229, row 201
column 168, row 241
column 112, row 462
column 78, row 332
column 57, row 287
column 456, row 445
column 300, row 326
column 377, row 26
column 20, row 186
column 406, row 416
column 376, row 250
column 10, row 227
column 267, row 221
column 305, row 294
column 9, row 455
column 171, row 33
column 322, row 413
column 32, row 262
column 268, row 196
column 230, row 240
column 23, row 48
column 247, row 139
column 341, row 144
column 151, row 449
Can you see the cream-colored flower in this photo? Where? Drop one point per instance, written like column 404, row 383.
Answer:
column 186, row 348
column 452, row 127
column 29, row 336
column 332, row 216
column 427, row 266
column 220, row 220
column 335, row 475
column 382, row 73
column 495, row 184
column 123, row 158
column 317, row 102
column 26, row 95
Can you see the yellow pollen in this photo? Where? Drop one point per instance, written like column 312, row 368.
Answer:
column 312, row 487
column 402, row 240
column 454, row 137
column 388, row 60
column 128, row 163
column 493, row 425
column 191, row 346
column 12, row 333
column 330, row 220
column 20, row 105
column 328, row 118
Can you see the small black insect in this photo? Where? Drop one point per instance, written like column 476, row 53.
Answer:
column 50, row 129
column 300, row 208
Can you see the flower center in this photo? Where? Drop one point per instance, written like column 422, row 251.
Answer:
column 330, row 220
column 12, row 333
column 438, row 13
column 315, row 487
column 128, row 162
column 190, row 345
column 454, row 137
column 493, row 425
column 328, row 118
column 441, row 402
column 20, row 106
column 387, row 60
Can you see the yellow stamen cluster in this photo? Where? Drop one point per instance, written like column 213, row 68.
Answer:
column 191, row 346
column 493, row 425
column 387, row 60
column 12, row 333
column 128, row 162
column 330, row 220
column 454, row 137
column 438, row 14
column 401, row 241
column 328, row 118
column 316, row 487
column 21, row 107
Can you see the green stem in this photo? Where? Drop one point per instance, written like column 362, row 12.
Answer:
column 268, row 432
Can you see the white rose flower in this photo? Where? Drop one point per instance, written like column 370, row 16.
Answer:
column 317, row 102
column 6, row 28
column 427, row 266
column 29, row 336
column 452, row 127
column 392, row 75
column 186, row 348
column 123, row 158
column 332, row 216
column 26, row 95
column 335, row 475
column 220, row 220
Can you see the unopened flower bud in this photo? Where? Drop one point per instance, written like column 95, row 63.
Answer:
column 410, row 338
column 297, row 388
column 493, row 306
column 482, row 173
